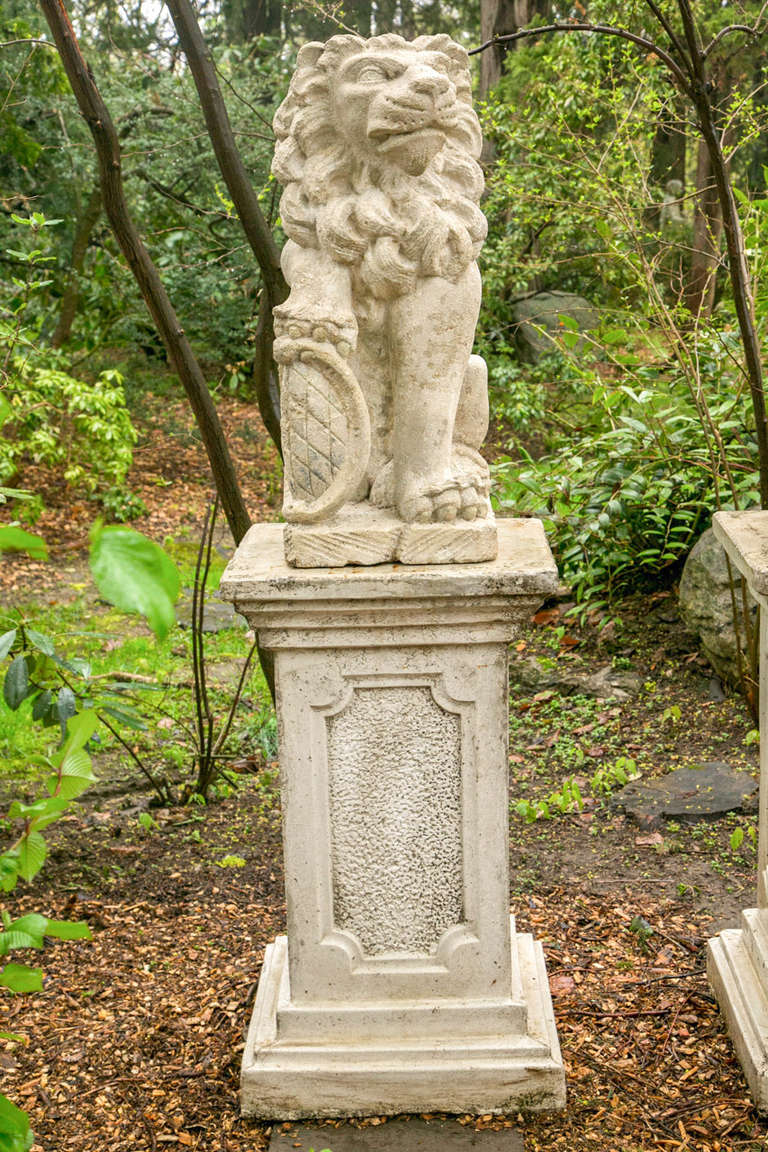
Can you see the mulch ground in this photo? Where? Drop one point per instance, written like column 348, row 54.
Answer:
column 136, row 1041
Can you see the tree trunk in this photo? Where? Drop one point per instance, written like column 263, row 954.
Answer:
column 261, row 18
column 668, row 146
column 85, row 227
column 707, row 231
column 96, row 115
column 500, row 18
column 257, row 230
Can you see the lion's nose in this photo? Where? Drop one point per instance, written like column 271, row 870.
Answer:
column 429, row 83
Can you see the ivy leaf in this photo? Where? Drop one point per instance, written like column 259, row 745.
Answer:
column 135, row 574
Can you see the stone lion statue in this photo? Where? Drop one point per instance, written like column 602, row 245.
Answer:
column 383, row 403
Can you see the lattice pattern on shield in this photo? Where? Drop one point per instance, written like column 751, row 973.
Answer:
column 317, row 432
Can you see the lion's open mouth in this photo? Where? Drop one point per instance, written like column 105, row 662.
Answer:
column 381, row 135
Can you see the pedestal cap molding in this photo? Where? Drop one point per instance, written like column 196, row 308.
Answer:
column 258, row 573
column 744, row 535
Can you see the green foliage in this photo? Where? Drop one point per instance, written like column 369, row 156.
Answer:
column 627, row 500
column 568, row 798
column 609, row 777
column 642, row 931
column 559, row 803
column 15, row 1133
column 82, row 429
column 47, row 415
column 135, row 574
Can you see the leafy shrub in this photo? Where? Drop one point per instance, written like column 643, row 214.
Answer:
column 627, row 500
column 50, row 417
column 47, row 415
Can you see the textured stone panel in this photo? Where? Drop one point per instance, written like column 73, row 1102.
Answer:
column 394, row 766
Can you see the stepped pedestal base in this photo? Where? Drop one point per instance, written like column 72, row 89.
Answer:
column 464, row 1071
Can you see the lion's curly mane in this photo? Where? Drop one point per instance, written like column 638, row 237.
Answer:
column 405, row 226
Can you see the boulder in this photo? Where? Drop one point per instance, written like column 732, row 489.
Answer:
column 706, row 607
column 545, row 311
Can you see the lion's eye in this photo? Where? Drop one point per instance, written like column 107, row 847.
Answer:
column 370, row 73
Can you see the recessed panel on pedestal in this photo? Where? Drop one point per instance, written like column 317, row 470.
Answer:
column 394, row 792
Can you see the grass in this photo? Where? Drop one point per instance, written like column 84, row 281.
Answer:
column 116, row 645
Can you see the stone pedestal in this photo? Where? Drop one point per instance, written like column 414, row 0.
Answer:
column 402, row 985
column 738, row 958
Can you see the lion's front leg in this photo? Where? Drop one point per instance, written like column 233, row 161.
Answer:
column 431, row 331
column 319, row 307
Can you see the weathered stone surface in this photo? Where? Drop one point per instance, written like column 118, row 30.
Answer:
column 402, row 985
column 706, row 606
column 694, row 793
column 383, row 404
column 544, row 311
column 412, row 1135
column 360, row 534
column 737, row 963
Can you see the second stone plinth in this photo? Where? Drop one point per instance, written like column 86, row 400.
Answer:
column 402, row 985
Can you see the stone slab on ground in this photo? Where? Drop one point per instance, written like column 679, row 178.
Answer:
column 217, row 614
column 695, row 793
column 411, row 1135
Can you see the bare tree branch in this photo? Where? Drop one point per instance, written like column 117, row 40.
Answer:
column 727, row 32
column 96, row 115
column 255, row 226
column 600, row 29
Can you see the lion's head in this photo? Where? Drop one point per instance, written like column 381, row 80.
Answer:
column 377, row 151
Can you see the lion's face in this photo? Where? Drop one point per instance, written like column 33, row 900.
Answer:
column 395, row 106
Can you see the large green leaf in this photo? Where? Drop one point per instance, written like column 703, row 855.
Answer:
column 15, row 1133
column 6, row 642
column 16, row 683
column 68, row 930
column 9, row 872
column 25, row 932
column 32, row 854
column 135, row 574
column 14, row 539
column 21, row 978
column 43, row 643
column 80, row 728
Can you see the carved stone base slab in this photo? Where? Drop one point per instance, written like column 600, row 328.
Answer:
column 469, row 1071
column 414, row 1134
column 362, row 534
column 737, row 967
